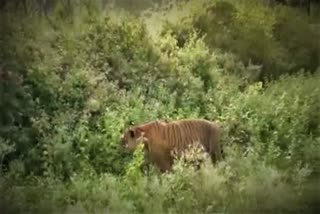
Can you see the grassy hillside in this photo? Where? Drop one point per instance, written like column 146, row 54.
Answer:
column 70, row 82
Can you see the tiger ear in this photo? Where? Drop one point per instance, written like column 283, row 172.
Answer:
column 132, row 133
column 136, row 132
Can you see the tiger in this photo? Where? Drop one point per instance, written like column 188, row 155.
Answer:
column 161, row 138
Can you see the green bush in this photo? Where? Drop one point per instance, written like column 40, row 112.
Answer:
column 232, row 186
column 281, row 39
column 69, row 87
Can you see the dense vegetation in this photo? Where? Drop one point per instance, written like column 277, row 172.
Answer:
column 70, row 82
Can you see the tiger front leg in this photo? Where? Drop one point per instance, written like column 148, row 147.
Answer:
column 162, row 160
column 164, row 166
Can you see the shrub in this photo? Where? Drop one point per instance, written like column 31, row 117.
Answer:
column 69, row 90
column 255, row 33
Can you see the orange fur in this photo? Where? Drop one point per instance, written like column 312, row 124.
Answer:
column 161, row 138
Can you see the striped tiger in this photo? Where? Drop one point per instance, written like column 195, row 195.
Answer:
column 162, row 138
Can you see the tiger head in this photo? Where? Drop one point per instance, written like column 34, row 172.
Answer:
column 130, row 138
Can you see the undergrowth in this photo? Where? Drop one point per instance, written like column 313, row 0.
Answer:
column 68, row 86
